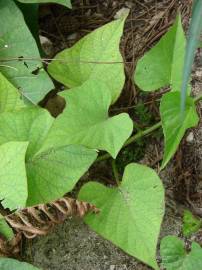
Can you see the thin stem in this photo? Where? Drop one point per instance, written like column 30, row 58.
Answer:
column 115, row 171
column 62, row 60
column 132, row 139
column 141, row 134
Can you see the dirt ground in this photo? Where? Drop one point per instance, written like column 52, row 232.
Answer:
column 72, row 246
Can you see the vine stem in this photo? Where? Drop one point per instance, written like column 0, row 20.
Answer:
column 141, row 134
column 132, row 139
column 115, row 171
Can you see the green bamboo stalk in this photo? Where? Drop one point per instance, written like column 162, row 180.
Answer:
column 192, row 44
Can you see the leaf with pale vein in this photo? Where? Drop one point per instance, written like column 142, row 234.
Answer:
column 130, row 216
column 21, row 45
column 72, row 66
column 85, row 120
column 50, row 173
column 175, row 257
column 174, row 127
column 10, row 99
column 13, row 179
column 163, row 64
column 28, row 124
column 55, row 172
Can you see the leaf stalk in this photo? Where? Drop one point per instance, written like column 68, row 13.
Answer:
column 141, row 134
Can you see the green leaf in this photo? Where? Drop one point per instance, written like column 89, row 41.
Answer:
column 10, row 99
column 174, row 126
column 72, row 66
column 50, row 173
column 11, row 264
column 130, row 216
column 85, row 120
column 190, row 224
column 163, row 64
column 192, row 44
column 15, row 45
column 55, row 172
column 5, row 229
column 66, row 3
column 13, row 182
column 29, row 124
column 174, row 256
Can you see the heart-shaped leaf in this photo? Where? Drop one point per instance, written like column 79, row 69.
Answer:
column 11, row 264
column 10, row 99
column 85, row 120
column 66, row 3
column 50, row 173
column 96, row 56
column 174, row 256
column 130, row 215
column 26, row 75
column 174, row 125
column 13, row 179
column 163, row 64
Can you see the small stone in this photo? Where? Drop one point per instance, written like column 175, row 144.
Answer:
column 46, row 45
column 72, row 36
column 190, row 137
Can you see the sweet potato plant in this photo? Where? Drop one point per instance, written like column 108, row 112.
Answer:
column 43, row 158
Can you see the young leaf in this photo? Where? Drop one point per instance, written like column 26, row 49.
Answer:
column 14, row 47
column 5, row 229
column 13, row 180
column 174, row 256
column 174, row 126
column 130, row 215
column 190, row 224
column 85, row 120
column 163, row 64
column 10, row 99
column 192, row 44
column 66, row 3
column 93, row 57
column 11, row 264
column 50, row 173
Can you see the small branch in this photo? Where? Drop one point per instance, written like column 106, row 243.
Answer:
column 115, row 171
column 141, row 134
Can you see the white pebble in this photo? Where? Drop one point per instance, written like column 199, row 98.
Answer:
column 190, row 137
